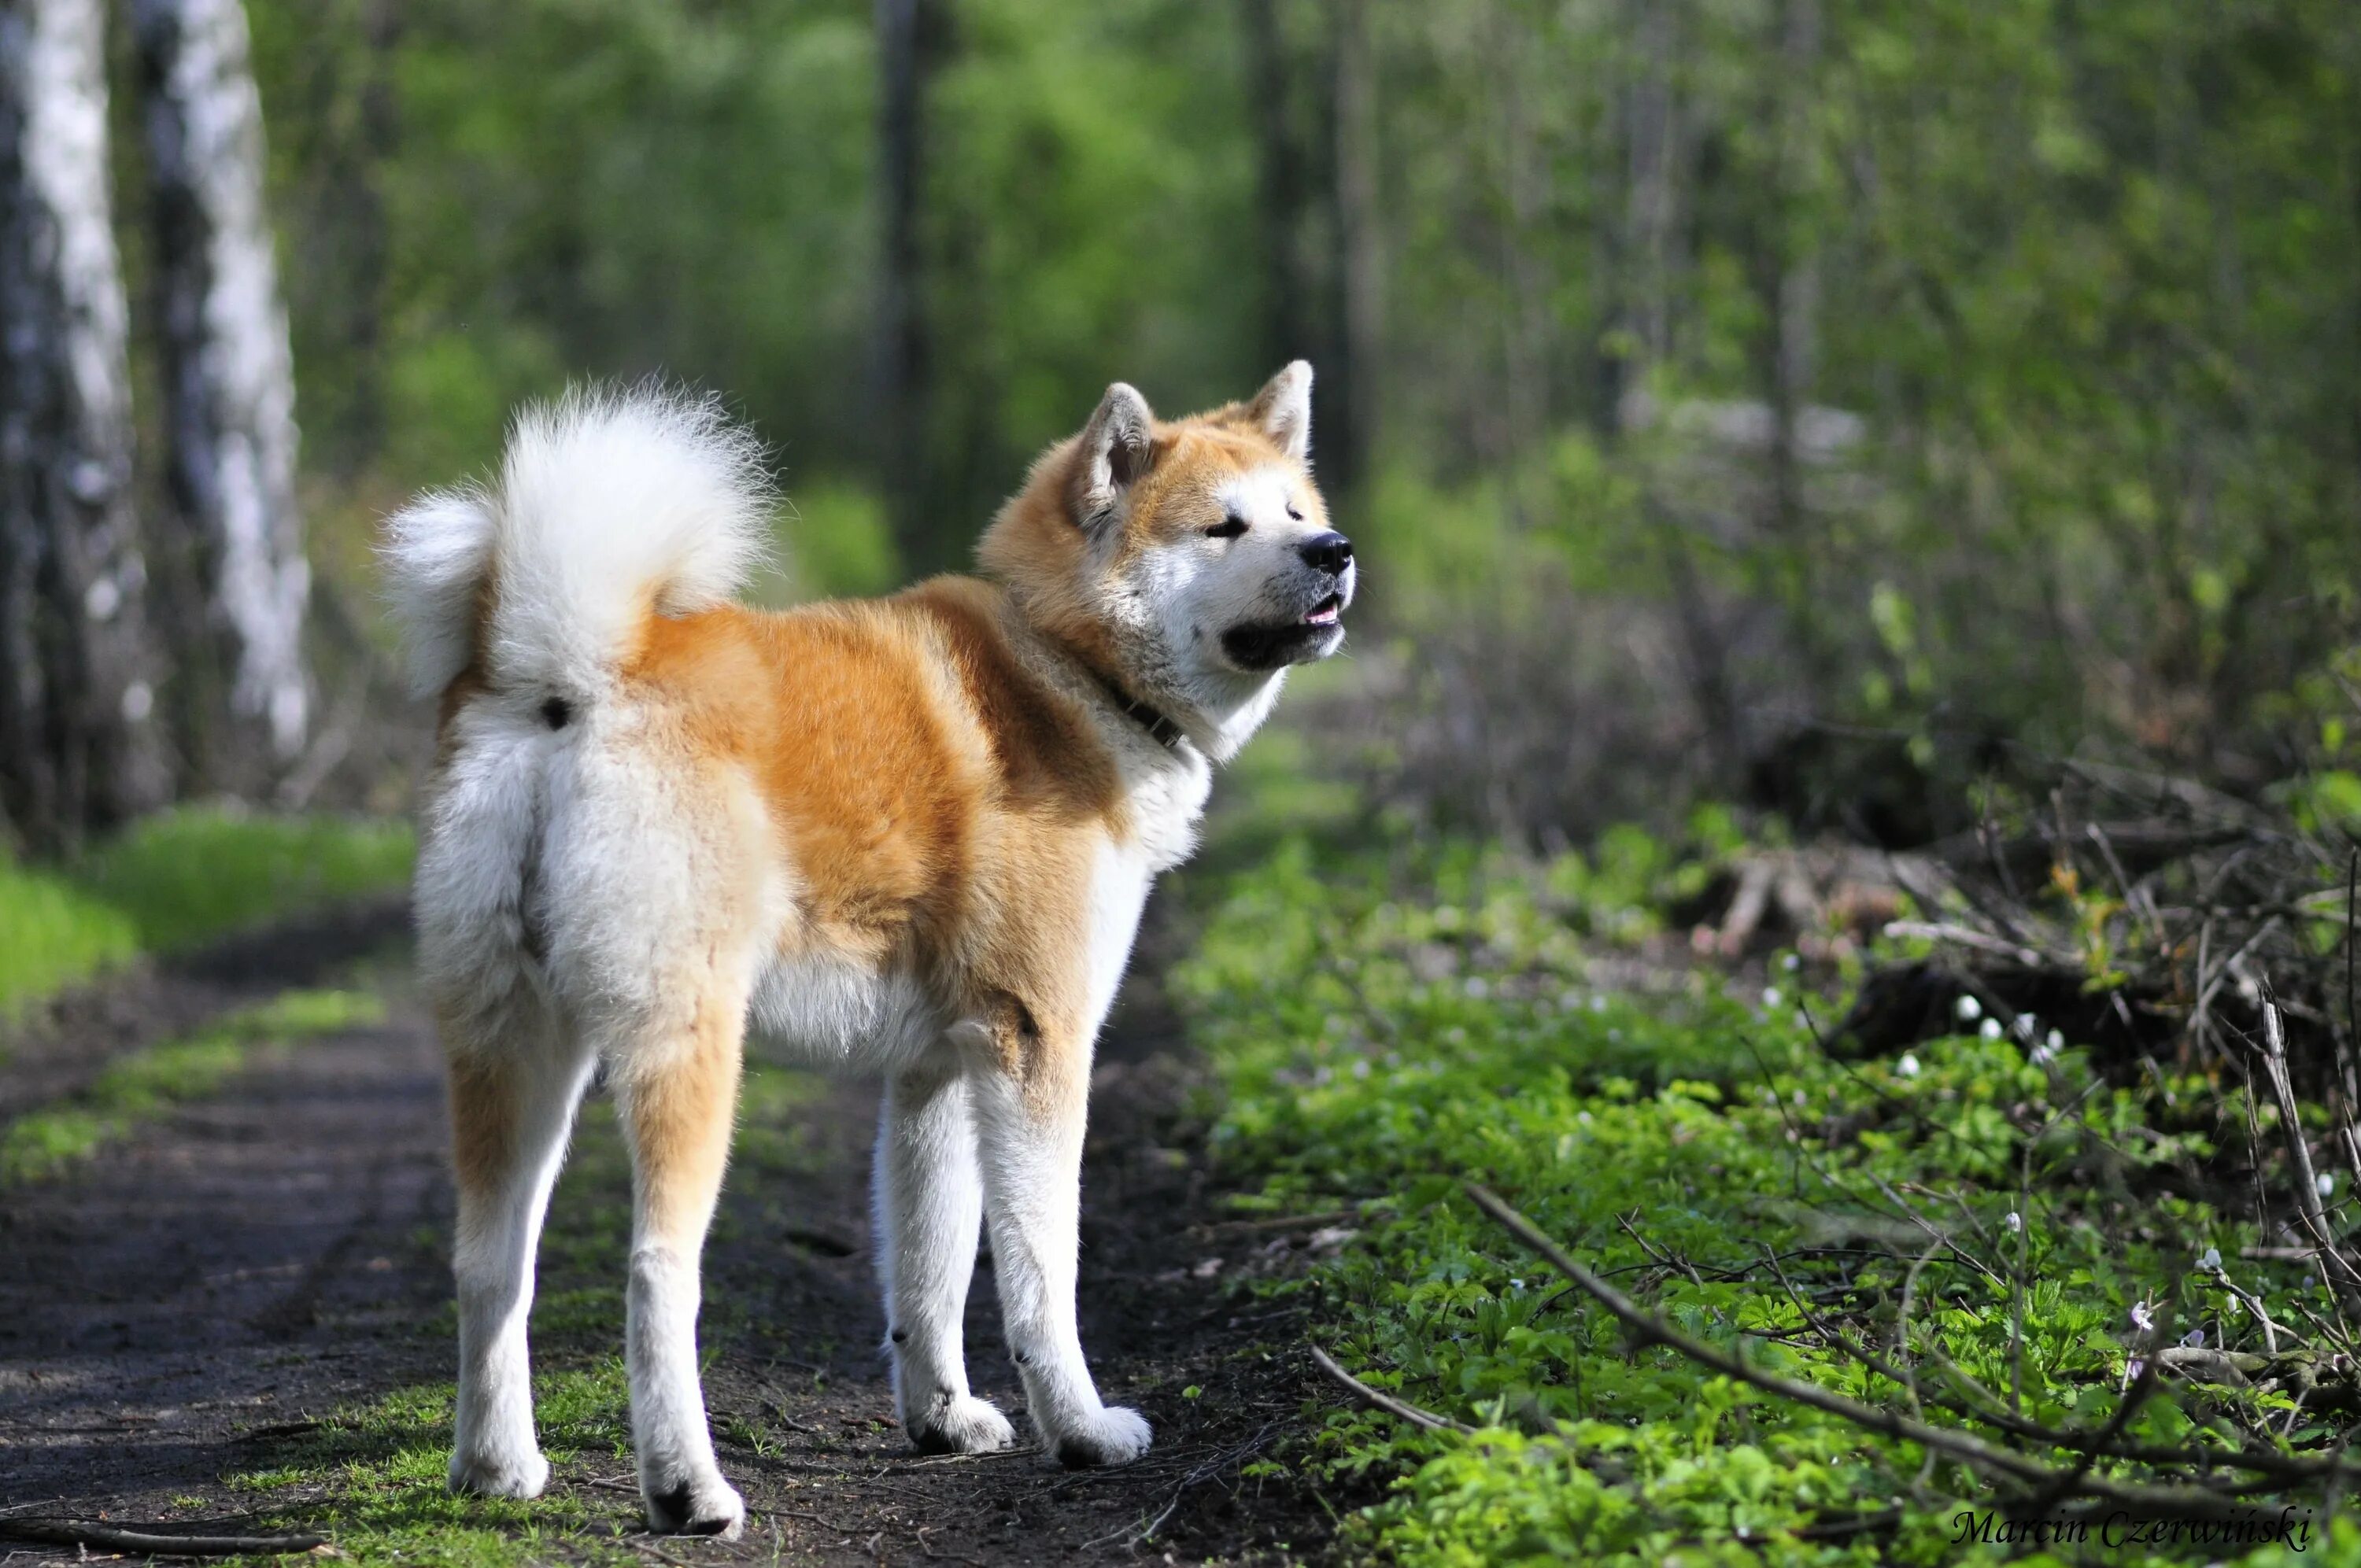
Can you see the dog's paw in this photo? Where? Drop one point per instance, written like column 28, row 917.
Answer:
column 1115, row 1435
column 705, row 1505
column 503, row 1476
column 962, row 1425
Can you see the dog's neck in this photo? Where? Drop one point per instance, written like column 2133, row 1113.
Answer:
column 1214, row 711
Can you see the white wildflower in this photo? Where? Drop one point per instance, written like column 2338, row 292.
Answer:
column 2056, row 1042
column 2143, row 1318
column 2326, row 1182
column 2193, row 1340
column 2016, row 1223
column 1969, row 1008
column 1770, row 997
column 1990, row 1029
column 1790, row 962
column 2027, row 1025
column 2210, row 1260
column 1908, row 1066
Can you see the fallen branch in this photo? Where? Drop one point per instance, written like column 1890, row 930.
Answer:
column 1965, row 1447
column 109, row 1537
column 1377, row 1400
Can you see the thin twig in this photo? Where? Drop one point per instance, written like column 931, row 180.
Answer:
column 1379, row 1400
column 113, row 1537
column 2164, row 1501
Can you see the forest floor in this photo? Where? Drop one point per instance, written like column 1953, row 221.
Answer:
column 237, row 1309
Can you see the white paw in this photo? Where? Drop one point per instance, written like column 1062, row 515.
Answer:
column 701, row 1505
column 1114, row 1435
column 963, row 1424
column 499, row 1475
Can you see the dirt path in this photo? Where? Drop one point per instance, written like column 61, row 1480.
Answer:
column 196, row 1306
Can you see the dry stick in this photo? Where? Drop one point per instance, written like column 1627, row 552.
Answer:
column 2168, row 1501
column 2332, row 1262
column 107, row 1538
column 1377, row 1400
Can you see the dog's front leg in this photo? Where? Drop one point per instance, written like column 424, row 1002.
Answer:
column 929, row 1202
column 1029, row 1119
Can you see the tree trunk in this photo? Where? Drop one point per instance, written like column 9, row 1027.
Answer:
column 230, row 393
column 909, row 49
column 1361, row 266
column 78, row 745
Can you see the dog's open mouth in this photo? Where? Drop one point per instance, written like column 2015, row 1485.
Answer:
column 1313, row 635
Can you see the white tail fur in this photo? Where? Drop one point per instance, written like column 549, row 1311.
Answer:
column 611, row 505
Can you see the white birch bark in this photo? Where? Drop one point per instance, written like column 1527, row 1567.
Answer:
column 78, row 742
column 229, row 371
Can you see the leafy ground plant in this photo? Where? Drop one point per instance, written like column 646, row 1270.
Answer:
column 1981, row 1235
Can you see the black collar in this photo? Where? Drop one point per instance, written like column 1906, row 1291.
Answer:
column 1158, row 724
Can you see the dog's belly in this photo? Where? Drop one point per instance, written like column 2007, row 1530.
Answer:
column 829, row 1013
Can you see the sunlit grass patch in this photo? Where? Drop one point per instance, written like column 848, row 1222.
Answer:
column 136, row 1088
column 178, row 879
column 374, row 1478
column 53, row 934
column 186, row 875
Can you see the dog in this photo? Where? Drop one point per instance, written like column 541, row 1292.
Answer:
column 908, row 836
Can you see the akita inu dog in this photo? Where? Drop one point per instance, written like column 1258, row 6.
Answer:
column 908, row 835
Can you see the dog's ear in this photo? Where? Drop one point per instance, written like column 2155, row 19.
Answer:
column 1282, row 409
column 1115, row 449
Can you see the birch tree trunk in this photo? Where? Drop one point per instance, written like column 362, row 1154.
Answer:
column 77, row 744
column 230, row 388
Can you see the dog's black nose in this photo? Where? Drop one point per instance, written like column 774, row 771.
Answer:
column 1330, row 551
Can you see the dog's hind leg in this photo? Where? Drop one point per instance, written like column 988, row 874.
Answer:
column 930, row 1203
column 677, row 1097
column 512, row 1107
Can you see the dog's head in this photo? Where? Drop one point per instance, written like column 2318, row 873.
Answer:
column 1191, row 561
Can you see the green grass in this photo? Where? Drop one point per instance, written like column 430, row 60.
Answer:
column 53, row 934
column 178, row 879
column 1389, row 1022
column 142, row 1085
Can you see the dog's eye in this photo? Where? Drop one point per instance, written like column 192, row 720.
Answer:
column 1229, row 527
column 1293, row 513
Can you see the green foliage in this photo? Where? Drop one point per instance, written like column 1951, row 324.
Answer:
column 137, row 1087
column 836, row 543
column 1389, row 1024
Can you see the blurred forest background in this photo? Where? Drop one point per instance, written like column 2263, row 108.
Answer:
column 1821, row 405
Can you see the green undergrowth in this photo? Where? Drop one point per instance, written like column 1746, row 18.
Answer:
column 372, row 1477
column 138, row 1087
column 178, row 879
column 1389, row 1022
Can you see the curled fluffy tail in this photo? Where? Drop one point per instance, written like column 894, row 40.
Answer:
column 610, row 506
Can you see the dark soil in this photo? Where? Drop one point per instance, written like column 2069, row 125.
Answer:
column 197, row 1305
